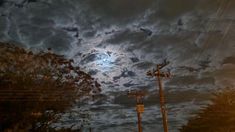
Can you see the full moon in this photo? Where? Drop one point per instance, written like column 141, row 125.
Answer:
column 104, row 61
column 118, row 41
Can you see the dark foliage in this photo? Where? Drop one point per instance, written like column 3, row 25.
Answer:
column 35, row 87
column 216, row 117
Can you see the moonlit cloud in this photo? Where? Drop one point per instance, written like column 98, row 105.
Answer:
column 118, row 41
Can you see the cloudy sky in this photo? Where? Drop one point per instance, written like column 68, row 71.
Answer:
column 118, row 41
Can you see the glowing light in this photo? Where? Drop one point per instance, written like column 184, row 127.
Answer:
column 104, row 61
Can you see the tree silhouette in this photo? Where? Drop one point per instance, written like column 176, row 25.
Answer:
column 216, row 117
column 35, row 87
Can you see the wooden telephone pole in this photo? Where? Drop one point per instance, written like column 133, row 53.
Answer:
column 158, row 74
column 139, row 95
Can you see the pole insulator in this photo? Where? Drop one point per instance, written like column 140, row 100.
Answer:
column 140, row 108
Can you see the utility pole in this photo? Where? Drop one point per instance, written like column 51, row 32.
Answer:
column 158, row 74
column 139, row 95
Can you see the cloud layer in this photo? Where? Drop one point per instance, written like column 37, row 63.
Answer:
column 118, row 41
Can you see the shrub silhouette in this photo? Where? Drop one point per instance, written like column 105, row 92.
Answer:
column 216, row 117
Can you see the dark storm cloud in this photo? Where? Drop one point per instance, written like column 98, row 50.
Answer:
column 172, row 98
column 121, row 9
column 125, row 73
column 178, row 97
column 129, row 84
column 3, row 23
column 197, row 41
column 160, row 42
column 89, row 58
column 123, row 99
column 144, row 65
column 134, row 59
column 173, row 8
column 42, row 22
column 93, row 72
column 191, row 80
column 26, row 31
column 57, row 44
column 127, row 36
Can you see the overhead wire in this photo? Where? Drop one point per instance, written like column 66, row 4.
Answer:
column 211, row 27
column 227, row 28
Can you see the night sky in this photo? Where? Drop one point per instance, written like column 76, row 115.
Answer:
column 118, row 41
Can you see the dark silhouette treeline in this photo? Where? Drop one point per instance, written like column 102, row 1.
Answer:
column 36, row 87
